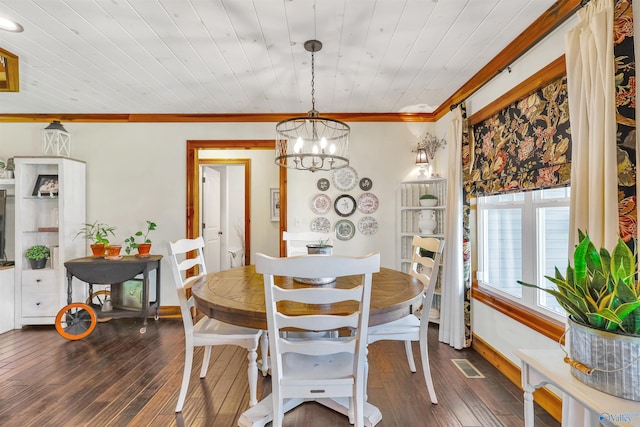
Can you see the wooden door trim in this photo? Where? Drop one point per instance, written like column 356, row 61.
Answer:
column 193, row 187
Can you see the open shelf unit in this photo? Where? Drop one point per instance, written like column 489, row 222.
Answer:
column 409, row 210
column 53, row 220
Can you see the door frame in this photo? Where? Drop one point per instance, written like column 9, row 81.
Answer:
column 193, row 186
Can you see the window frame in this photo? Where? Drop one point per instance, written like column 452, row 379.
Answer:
column 525, row 309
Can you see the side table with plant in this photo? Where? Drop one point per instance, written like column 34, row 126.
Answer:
column 144, row 248
column 37, row 256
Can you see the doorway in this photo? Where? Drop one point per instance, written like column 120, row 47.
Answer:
column 194, row 163
column 225, row 187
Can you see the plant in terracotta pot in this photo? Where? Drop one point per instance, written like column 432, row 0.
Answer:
column 37, row 256
column 97, row 233
column 144, row 248
column 601, row 296
column 428, row 200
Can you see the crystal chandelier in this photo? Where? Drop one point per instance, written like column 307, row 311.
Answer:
column 312, row 143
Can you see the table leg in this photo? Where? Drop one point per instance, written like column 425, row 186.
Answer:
column 531, row 380
column 262, row 413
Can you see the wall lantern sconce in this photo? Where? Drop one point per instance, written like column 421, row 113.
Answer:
column 56, row 141
column 422, row 160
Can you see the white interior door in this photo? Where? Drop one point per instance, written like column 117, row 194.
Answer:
column 211, row 218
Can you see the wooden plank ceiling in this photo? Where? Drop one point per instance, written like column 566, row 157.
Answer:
column 247, row 57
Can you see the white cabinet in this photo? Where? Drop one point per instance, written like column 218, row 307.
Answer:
column 52, row 219
column 425, row 221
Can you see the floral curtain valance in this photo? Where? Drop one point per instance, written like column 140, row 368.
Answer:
column 527, row 145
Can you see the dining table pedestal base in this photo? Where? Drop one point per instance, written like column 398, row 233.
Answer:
column 262, row 413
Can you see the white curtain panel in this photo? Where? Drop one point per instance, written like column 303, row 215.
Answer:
column 591, row 90
column 452, row 302
column 594, row 178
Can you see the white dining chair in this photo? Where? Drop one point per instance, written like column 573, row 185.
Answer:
column 207, row 332
column 307, row 368
column 425, row 264
column 296, row 242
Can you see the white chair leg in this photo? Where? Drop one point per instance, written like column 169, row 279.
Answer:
column 264, row 350
column 409, row 351
column 424, row 357
column 278, row 412
column 188, row 362
column 205, row 361
column 252, row 374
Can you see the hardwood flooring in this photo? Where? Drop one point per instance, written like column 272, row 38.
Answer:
column 119, row 377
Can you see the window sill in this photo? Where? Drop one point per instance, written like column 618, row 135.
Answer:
column 540, row 323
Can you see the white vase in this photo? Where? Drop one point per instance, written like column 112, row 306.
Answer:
column 427, row 222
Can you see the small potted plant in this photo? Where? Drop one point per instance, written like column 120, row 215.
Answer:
column 322, row 247
column 144, row 248
column 37, row 256
column 97, row 234
column 428, row 200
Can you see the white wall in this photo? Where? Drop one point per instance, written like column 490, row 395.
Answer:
column 137, row 171
column 380, row 151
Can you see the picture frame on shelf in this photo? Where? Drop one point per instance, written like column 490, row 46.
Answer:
column 46, row 185
column 275, row 204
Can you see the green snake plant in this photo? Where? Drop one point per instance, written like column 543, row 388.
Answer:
column 601, row 289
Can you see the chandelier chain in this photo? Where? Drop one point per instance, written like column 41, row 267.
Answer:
column 313, row 78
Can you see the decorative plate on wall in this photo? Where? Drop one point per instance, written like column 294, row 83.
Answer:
column 321, row 225
column 345, row 178
column 323, row 184
column 367, row 203
column 321, row 204
column 345, row 229
column 368, row 225
column 345, row 205
column 366, row 184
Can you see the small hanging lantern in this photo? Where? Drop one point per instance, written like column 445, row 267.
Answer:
column 56, row 141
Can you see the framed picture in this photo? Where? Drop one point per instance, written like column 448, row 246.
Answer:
column 275, row 204
column 46, row 185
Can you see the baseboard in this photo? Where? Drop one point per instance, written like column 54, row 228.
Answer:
column 543, row 397
column 170, row 312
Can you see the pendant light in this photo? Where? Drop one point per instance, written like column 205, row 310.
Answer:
column 312, row 143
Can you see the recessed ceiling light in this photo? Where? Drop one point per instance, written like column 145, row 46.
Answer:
column 9, row 25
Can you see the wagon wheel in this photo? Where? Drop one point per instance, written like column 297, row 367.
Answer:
column 97, row 300
column 75, row 321
column 98, row 297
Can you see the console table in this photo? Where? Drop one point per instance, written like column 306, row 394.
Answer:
column 542, row 367
column 97, row 270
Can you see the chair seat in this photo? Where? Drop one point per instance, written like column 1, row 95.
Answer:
column 299, row 368
column 207, row 326
column 404, row 325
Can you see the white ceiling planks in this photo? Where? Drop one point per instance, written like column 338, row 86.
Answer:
column 247, row 56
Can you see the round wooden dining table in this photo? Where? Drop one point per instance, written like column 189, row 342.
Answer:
column 236, row 296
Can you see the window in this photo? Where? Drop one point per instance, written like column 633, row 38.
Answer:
column 523, row 236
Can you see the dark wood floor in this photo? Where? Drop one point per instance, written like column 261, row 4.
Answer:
column 118, row 377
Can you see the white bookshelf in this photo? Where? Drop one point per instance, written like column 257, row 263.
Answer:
column 51, row 221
